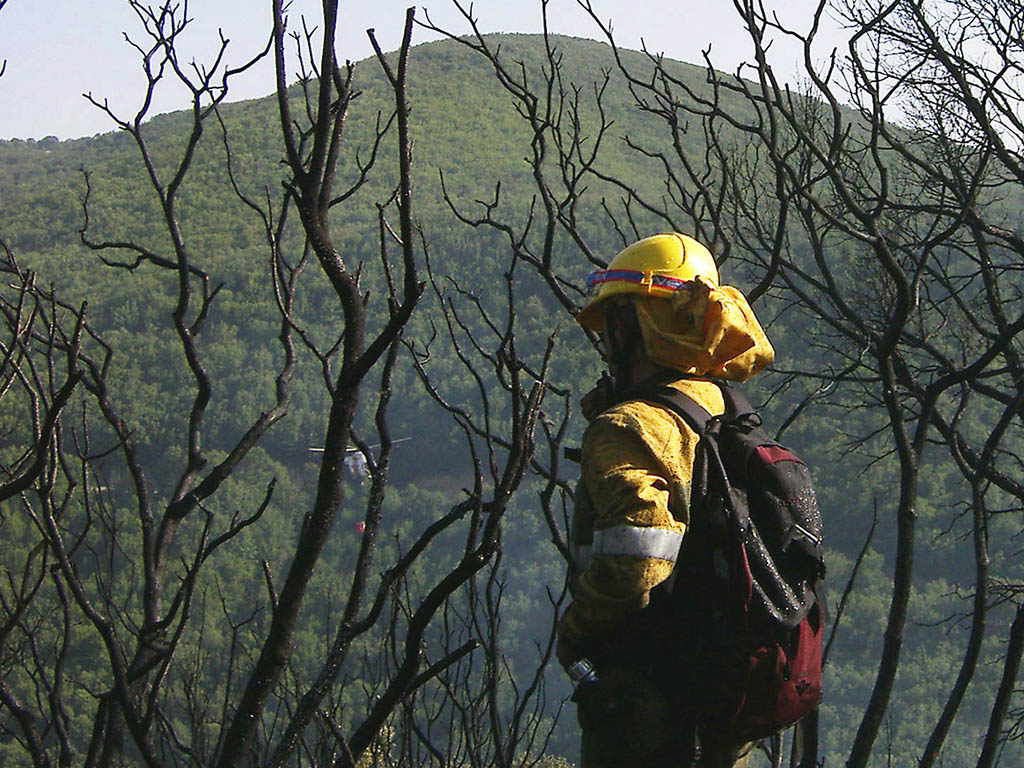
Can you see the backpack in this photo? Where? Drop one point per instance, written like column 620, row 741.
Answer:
column 752, row 570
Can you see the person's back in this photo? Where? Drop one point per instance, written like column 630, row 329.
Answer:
column 664, row 318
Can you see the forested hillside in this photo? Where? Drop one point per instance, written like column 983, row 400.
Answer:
column 436, row 422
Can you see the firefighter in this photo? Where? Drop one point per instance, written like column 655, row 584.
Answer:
column 665, row 318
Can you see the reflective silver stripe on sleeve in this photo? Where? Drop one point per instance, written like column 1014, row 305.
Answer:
column 638, row 542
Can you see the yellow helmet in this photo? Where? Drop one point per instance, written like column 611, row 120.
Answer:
column 657, row 266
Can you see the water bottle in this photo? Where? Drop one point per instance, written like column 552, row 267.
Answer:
column 582, row 672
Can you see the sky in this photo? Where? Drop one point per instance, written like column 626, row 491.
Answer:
column 57, row 50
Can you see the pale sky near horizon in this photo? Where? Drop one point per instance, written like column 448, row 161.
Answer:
column 56, row 50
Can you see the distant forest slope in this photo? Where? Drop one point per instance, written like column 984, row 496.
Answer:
column 474, row 139
column 466, row 131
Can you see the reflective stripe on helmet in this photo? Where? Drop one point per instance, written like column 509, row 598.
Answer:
column 632, row 276
column 635, row 541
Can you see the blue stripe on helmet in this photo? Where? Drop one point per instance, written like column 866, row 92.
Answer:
column 633, row 276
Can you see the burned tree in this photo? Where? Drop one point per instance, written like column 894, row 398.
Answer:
column 128, row 644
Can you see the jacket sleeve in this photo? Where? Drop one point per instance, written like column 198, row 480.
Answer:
column 636, row 467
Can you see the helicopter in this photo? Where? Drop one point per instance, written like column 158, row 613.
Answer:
column 355, row 460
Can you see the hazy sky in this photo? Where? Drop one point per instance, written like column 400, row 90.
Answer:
column 56, row 50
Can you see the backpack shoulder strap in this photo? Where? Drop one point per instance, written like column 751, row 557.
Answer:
column 694, row 414
column 735, row 403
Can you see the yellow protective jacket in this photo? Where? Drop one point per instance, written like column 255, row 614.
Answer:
column 632, row 504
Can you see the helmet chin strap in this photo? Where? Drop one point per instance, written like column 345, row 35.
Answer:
column 620, row 368
column 623, row 338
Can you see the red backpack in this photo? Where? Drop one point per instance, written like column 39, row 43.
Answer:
column 751, row 571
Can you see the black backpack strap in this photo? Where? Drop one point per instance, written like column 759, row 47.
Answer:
column 735, row 402
column 694, row 414
column 656, row 390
